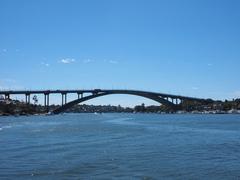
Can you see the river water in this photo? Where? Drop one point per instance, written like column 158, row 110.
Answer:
column 120, row 146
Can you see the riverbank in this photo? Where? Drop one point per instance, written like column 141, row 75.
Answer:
column 97, row 113
column 10, row 107
column 18, row 108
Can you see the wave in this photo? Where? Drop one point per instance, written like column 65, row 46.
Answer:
column 122, row 121
column 5, row 127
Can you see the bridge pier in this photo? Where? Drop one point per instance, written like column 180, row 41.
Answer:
column 27, row 98
column 46, row 101
column 7, row 96
column 47, row 98
column 64, row 98
column 80, row 95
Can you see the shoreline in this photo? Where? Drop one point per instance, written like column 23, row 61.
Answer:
column 99, row 113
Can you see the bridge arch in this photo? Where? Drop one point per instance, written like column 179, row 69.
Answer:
column 153, row 97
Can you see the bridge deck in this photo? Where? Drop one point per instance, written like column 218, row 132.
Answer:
column 80, row 91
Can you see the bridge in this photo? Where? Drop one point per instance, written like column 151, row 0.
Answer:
column 169, row 100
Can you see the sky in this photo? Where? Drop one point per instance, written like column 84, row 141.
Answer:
column 187, row 47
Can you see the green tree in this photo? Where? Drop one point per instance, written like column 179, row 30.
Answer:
column 35, row 99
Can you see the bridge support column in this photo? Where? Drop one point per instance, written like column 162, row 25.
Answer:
column 80, row 96
column 181, row 101
column 27, row 98
column 64, row 98
column 7, row 96
column 46, row 101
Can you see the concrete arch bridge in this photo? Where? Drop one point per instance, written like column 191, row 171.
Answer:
column 169, row 100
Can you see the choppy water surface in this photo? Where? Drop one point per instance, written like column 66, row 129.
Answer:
column 120, row 146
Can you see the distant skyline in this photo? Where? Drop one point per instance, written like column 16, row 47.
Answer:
column 188, row 47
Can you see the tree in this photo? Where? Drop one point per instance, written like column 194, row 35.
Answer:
column 35, row 99
column 140, row 108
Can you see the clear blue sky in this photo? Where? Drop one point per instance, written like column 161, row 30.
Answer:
column 187, row 47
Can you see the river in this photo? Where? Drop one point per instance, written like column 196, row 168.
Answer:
column 120, row 146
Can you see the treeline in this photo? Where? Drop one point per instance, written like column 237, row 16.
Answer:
column 210, row 105
column 14, row 107
column 99, row 108
column 111, row 109
column 190, row 106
